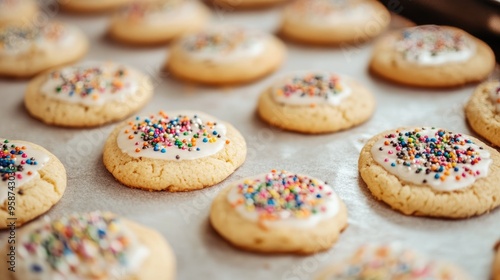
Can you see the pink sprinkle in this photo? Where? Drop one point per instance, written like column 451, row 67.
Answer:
column 390, row 152
column 19, row 176
column 25, row 155
column 386, row 160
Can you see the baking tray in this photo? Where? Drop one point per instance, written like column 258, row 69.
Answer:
column 182, row 218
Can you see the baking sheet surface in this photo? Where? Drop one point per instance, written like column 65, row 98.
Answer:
column 183, row 217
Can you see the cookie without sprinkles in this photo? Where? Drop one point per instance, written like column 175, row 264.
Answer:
column 431, row 172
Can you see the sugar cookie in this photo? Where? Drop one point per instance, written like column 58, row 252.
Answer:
column 432, row 172
column 432, row 56
column 178, row 151
column 87, row 94
column 334, row 22
column 229, row 5
column 496, row 264
column 147, row 23
column 279, row 212
column 92, row 6
column 28, row 50
column 17, row 11
column 95, row 245
column 225, row 55
column 316, row 102
column 483, row 111
column 33, row 180
column 392, row 261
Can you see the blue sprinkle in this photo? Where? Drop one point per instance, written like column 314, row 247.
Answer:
column 436, row 176
column 214, row 133
column 36, row 268
column 197, row 149
column 205, row 140
column 163, row 151
column 318, row 195
column 393, row 164
column 101, row 232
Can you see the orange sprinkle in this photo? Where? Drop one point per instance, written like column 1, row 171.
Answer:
column 131, row 136
column 227, row 141
column 137, row 150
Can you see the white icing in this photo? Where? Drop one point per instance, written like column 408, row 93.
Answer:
column 286, row 217
column 129, row 146
column 388, row 156
column 418, row 46
column 172, row 14
column 299, row 95
column 237, row 43
column 135, row 254
column 41, row 159
column 322, row 13
column 495, row 96
column 104, row 92
column 52, row 37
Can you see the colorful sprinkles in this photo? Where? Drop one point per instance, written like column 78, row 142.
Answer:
column 311, row 85
column 434, row 154
column 88, row 245
column 14, row 159
column 90, row 81
column 221, row 41
column 14, row 38
column 281, row 195
column 139, row 10
column 168, row 134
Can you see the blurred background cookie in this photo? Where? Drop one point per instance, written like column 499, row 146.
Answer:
column 17, row 12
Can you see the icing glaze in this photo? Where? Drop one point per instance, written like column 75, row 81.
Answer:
column 329, row 12
column 160, row 12
column 179, row 135
column 91, row 83
column 495, row 97
column 311, row 88
column 8, row 7
column 224, row 44
column 434, row 45
column 283, row 199
column 391, row 261
column 80, row 246
column 18, row 40
column 443, row 160
column 19, row 163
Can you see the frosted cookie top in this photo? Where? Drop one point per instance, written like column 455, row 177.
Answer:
column 495, row 96
column 311, row 88
column 19, row 163
column 21, row 39
column 333, row 12
column 441, row 159
column 434, row 45
column 392, row 261
column 80, row 246
column 280, row 198
column 164, row 11
column 224, row 44
column 180, row 135
column 91, row 83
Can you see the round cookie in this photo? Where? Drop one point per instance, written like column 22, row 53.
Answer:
column 148, row 23
column 432, row 172
column 17, row 11
column 432, row 56
column 496, row 264
column 178, row 151
column 483, row 111
column 279, row 212
column 92, row 6
column 95, row 245
column 316, row 102
column 391, row 261
column 87, row 94
column 328, row 22
column 229, row 5
column 28, row 50
column 225, row 55
column 33, row 180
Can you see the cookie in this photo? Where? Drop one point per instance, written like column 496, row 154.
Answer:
column 392, row 261
column 496, row 264
column 483, row 111
column 316, row 102
column 17, row 11
column 95, row 245
column 432, row 172
column 432, row 56
column 230, row 5
column 33, row 180
column 28, row 50
column 178, row 151
column 149, row 23
column 225, row 55
column 87, row 94
column 279, row 212
column 92, row 6
column 327, row 22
